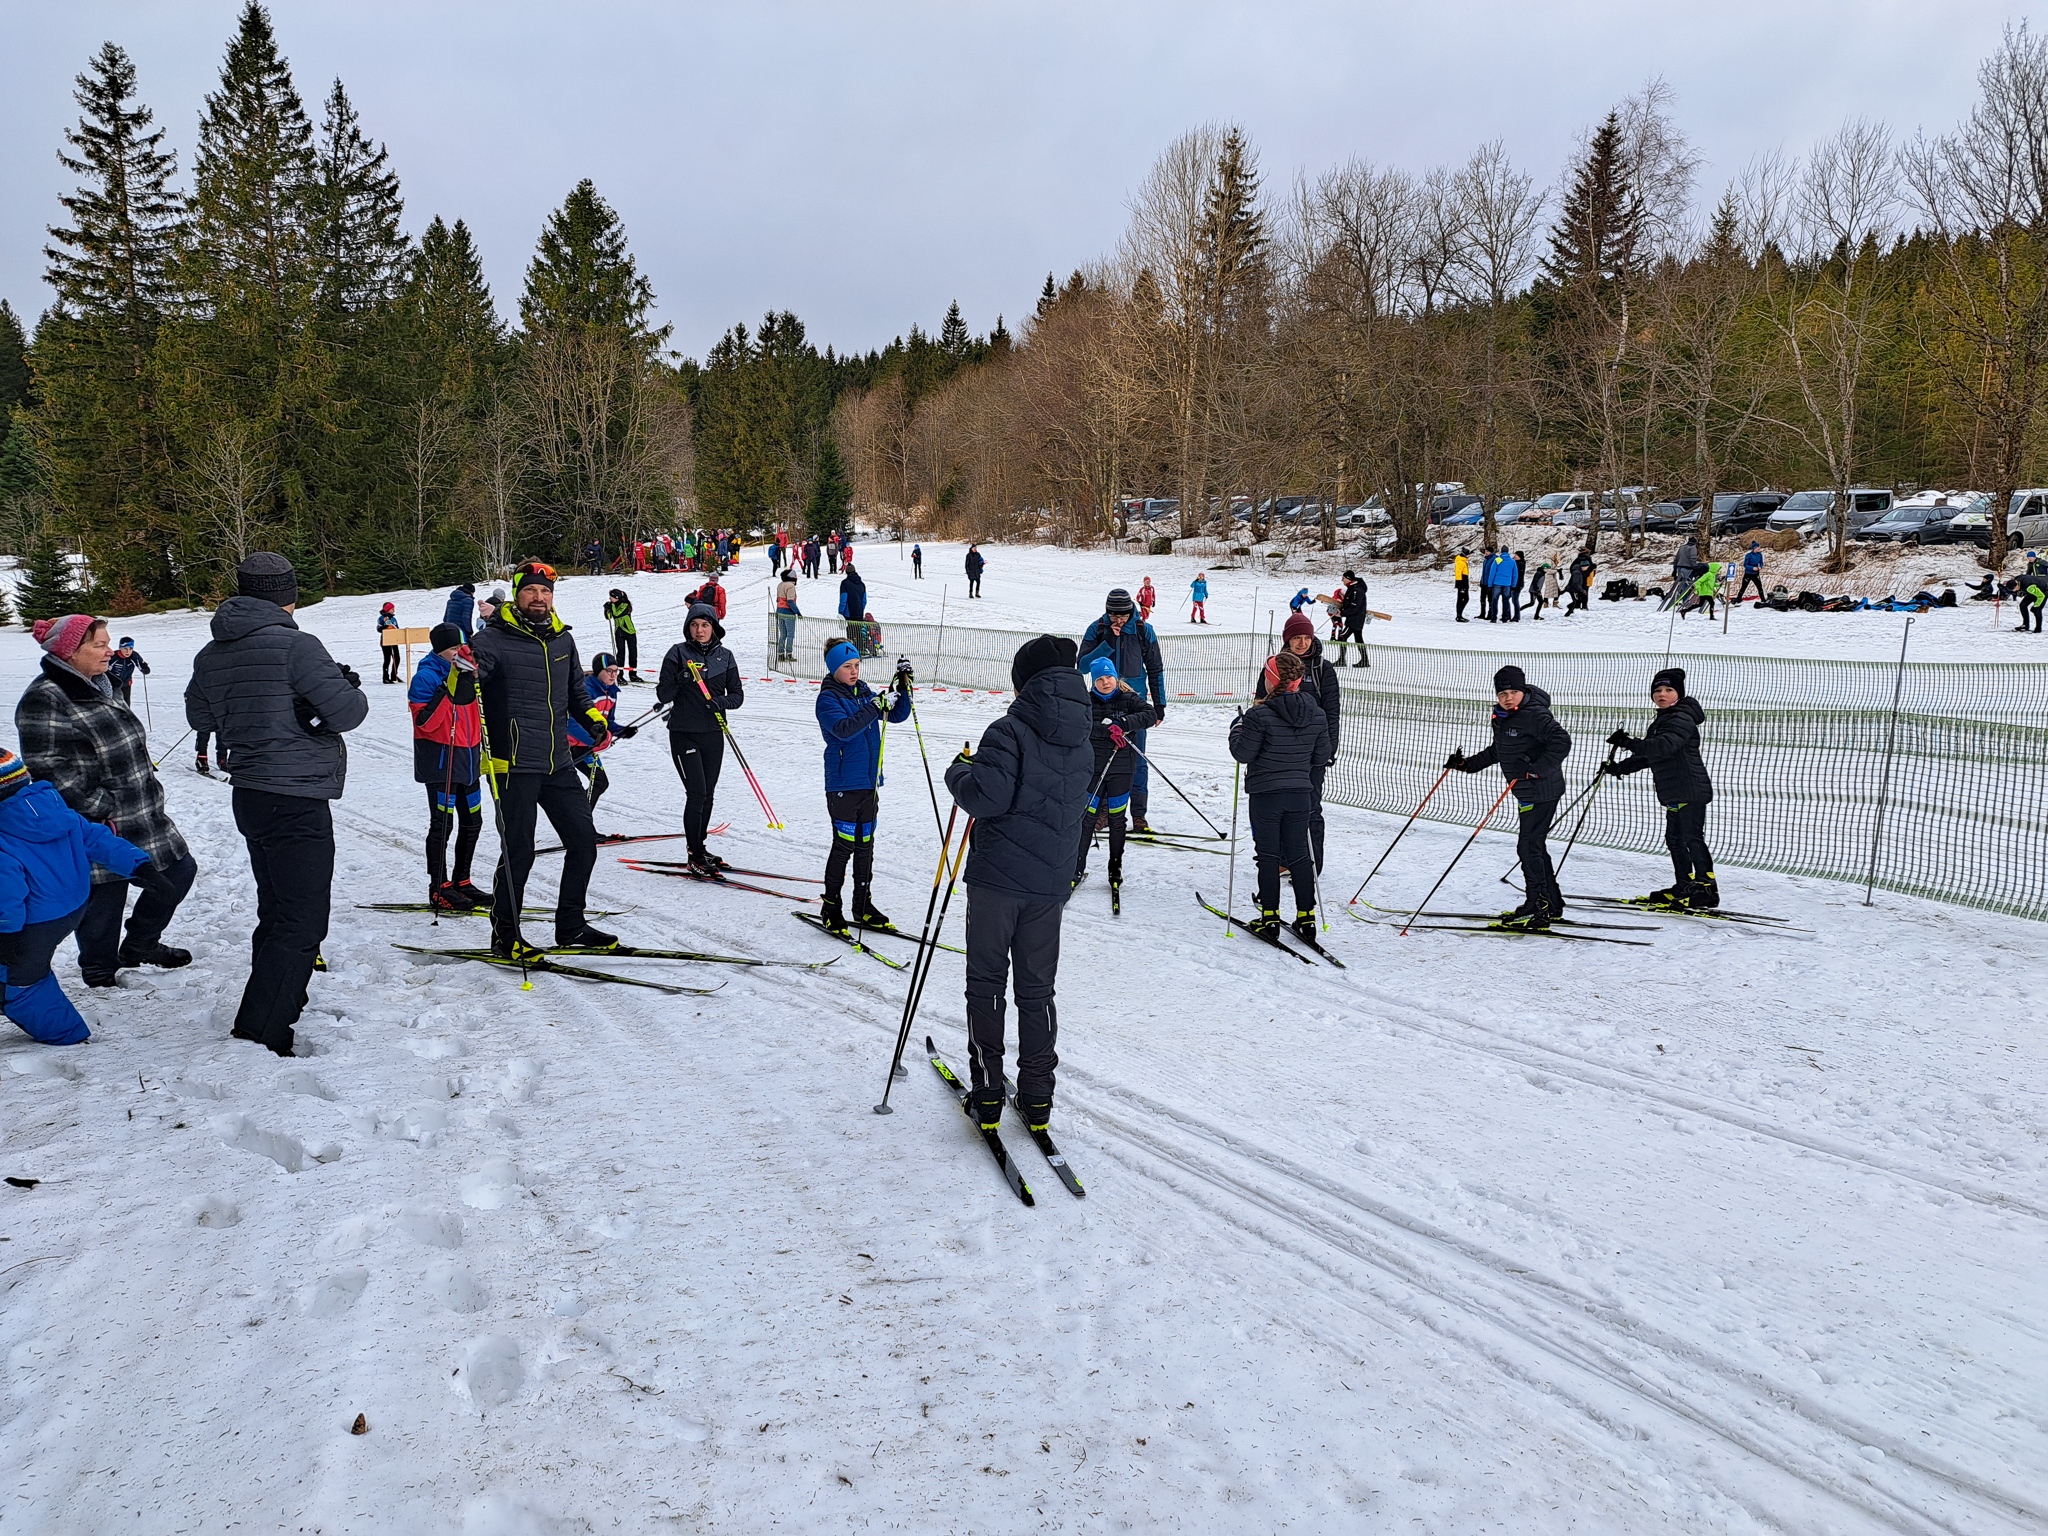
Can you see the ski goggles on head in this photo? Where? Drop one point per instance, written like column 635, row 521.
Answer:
column 534, row 573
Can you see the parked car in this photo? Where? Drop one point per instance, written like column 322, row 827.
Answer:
column 1365, row 515
column 1745, row 511
column 1546, row 508
column 2026, row 522
column 1922, row 519
column 1447, row 506
column 1806, row 512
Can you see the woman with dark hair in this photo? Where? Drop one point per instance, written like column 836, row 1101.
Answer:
column 1282, row 740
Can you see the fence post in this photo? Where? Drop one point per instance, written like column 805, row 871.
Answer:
column 1885, row 782
column 939, row 660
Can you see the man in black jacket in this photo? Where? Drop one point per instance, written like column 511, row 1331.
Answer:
column 1352, row 610
column 1670, row 749
column 532, row 686
column 701, row 681
column 279, row 704
column 1027, row 790
column 1530, row 747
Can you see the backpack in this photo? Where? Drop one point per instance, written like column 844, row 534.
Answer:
column 1811, row 602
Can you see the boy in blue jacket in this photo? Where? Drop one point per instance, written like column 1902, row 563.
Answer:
column 850, row 716
column 47, row 851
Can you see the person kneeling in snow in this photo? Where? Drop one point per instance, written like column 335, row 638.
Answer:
column 46, row 854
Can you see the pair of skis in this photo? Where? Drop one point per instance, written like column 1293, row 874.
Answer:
column 544, row 962
column 813, row 920
column 1717, row 914
column 1493, row 922
column 677, row 870
column 1275, row 940
column 610, row 839
column 993, row 1140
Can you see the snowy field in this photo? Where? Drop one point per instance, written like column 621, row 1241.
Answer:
column 1746, row 1231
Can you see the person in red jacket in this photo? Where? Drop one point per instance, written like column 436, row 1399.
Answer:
column 447, row 740
column 711, row 592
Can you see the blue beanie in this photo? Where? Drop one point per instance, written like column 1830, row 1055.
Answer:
column 1101, row 666
column 838, row 654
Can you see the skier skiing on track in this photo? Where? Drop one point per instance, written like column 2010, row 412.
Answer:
column 1670, row 749
column 694, row 666
column 447, row 757
column 531, row 683
column 1132, row 646
column 1027, row 788
column 1117, row 713
column 1530, row 747
column 850, row 716
column 1281, row 741
column 1319, row 681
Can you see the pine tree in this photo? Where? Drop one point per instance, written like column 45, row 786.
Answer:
column 362, row 251
column 1047, row 297
column 13, row 361
column 954, row 339
column 1236, row 259
column 582, row 275
column 1599, row 231
column 46, row 590
column 831, row 504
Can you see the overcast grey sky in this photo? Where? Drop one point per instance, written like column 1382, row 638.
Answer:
column 864, row 163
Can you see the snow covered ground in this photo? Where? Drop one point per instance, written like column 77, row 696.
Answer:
column 1744, row 1231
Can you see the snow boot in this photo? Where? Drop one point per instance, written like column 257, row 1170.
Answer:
column 865, row 913
column 1037, row 1113
column 1703, row 894
column 985, row 1108
column 1266, row 925
column 445, row 898
column 160, row 955
column 586, row 937
column 1304, row 926
column 833, row 916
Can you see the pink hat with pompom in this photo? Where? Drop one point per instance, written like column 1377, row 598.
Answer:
column 62, row 637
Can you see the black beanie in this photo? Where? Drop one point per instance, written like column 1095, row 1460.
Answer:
column 268, row 576
column 441, row 636
column 1509, row 677
column 1675, row 676
column 1040, row 655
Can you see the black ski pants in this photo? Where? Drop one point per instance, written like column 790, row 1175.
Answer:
column 291, row 853
column 521, row 799
column 1749, row 578
column 390, row 663
column 1464, row 586
column 458, row 808
column 99, row 930
column 1532, row 846
column 1280, row 835
column 1315, row 816
column 1006, row 932
column 1354, row 630
column 626, row 648
column 699, row 756
column 853, row 814
column 1685, row 834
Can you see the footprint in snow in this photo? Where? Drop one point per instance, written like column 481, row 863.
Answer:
column 242, row 1133
column 211, row 1211
column 302, row 1080
column 332, row 1295
column 491, row 1372
column 493, row 1186
column 438, row 1047
column 42, row 1063
column 437, row 1229
column 454, row 1287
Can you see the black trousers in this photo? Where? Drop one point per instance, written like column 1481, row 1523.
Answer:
column 390, row 663
column 99, row 930
column 1354, row 630
column 1748, row 577
column 626, row 648
column 458, row 808
column 1532, row 845
column 1006, row 932
column 699, row 756
column 291, row 853
column 1280, row 835
column 974, row 586
column 1576, row 600
column 1685, row 834
column 521, row 799
column 1464, row 586
column 853, row 814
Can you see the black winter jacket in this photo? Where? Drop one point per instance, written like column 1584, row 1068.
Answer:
column 1280, row 742
column 1352, row 605
column 532, row 686
column 1670, row 749
column 1027, row 788
column 1530, row 747
column 1127, row 709
column 693, row 714
column 1319, row 678
column 277, row 701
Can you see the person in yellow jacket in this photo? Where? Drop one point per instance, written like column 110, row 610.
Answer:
column 1461, row 572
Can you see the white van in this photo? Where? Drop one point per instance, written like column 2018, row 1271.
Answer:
column 2026, row 522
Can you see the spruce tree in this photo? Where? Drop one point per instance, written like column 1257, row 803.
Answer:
column 13, row 361
column 1047, row 297
column 582, row 275
column 1599, row 230
column 46, row 590
column 1233, row 242
column 455, row 331
column 362, row 250
column 954, row 339
column 831, row 503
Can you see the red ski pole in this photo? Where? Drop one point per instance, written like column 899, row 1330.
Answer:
column 1440, row 879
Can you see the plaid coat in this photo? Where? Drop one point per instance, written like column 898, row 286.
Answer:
column 96, row 754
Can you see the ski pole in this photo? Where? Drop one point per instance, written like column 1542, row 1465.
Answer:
column 149, row 718
column 931, row 905
column 921, row 963
column 505, row 868
column 1440, row 879
column 659, row 709
column 928, row 783
column 170, row 749
column 1439, row 784
column 1230, row 900
column 697, row 673
column 1095, row 794
column 1564, row 811
column 1592, row 789
column 1178, row 791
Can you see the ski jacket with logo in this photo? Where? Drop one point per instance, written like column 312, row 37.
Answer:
column 532, row 683
column 850, row 719
column 1135, row 652
column 1530, row 747
column 693, row 714
column 447, row 722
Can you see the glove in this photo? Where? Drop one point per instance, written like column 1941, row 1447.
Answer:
column 1116, row 735
column 1618, row 739
column 1455, row 760
column 464, row 662
column 154, row 881
column 350, row 673
column 966, row 755
column 904, row 674
column 625, row 732
column 1612, row 770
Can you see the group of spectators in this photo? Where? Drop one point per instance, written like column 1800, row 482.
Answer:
column 1504, row 576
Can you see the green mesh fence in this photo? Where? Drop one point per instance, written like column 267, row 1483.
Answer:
column 1812, row 773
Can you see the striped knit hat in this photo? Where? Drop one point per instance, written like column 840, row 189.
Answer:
column 13, row 773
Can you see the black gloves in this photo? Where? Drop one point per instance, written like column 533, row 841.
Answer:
column 1619, row 739
column 1160, row 710
column 350, row 673
column 1455, row 760
column 154, row 881
column 625, row 732
column 1612, row 769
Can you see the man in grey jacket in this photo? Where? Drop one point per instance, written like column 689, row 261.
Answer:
column 279, row 704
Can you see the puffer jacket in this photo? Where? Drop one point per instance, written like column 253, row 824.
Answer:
column 1115, row 767
column 447, row 722
column 277, row 701
column 693, row 713
column 532, row 684
column 95, row 753
column 850, row 719
column 1670, row 749
column 1319, row 677
column 853, row 594
column 1530, row 747
column 461, row 612
column 1280, row 742
column 1027, row 788
column 45, row 850
column 1135, row 652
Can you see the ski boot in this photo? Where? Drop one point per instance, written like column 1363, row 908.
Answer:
column 1703, row 894
column 865, row 913
column 199, row 765
column 1671, row 895
column 832, row 916
column 1266, row 925
column 445, row 898
column 510, row 946
column 984, row 1107
column 1538, row 921
column 1304, row 927
column 1037, row 1113
column 702, row 863
column 587, row 937
column 464, row 891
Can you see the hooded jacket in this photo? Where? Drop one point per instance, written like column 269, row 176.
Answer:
column 531, row 684
column 93, row 751
column 1319, row 677
column 1530, row 747
column 46, row 851
column 277, row 701
column 853, row 594
column 447, row 722
column 693, row 714
column 1135, row 652
column 461, row 612
column 850, row 719
column 1280, row 742
column 1128, row 711
column 1027, row 788
column 1670, row 749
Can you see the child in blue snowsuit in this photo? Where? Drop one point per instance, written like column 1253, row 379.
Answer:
column 47, row 851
